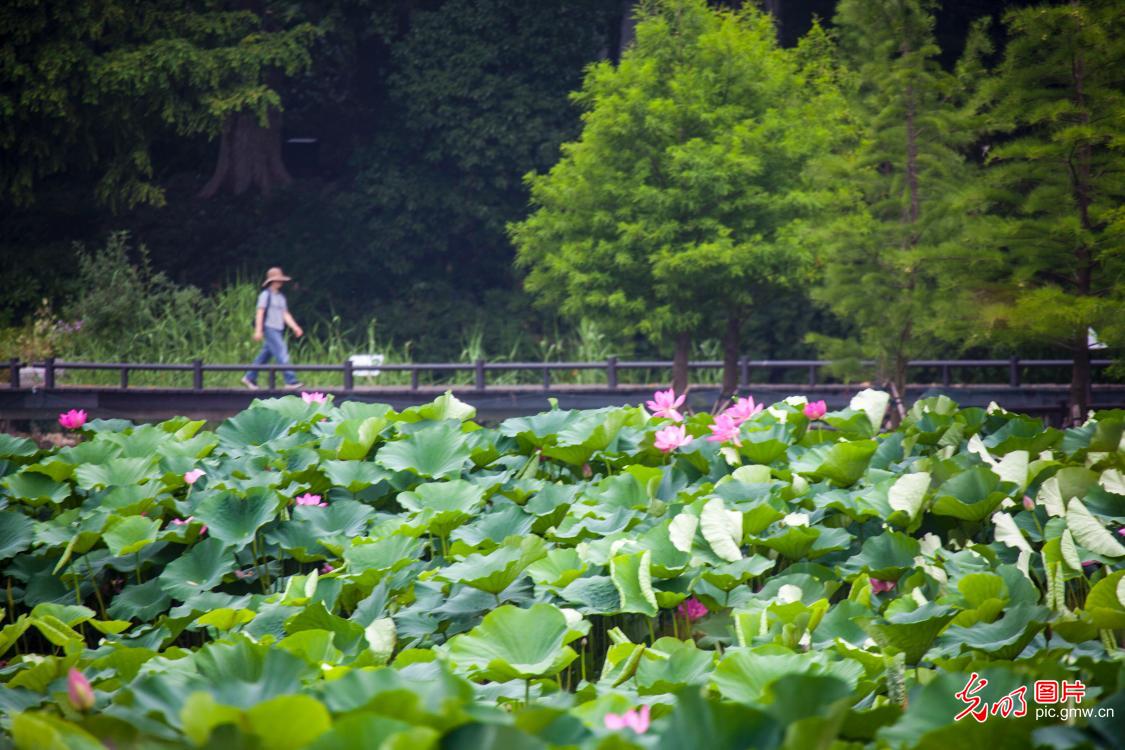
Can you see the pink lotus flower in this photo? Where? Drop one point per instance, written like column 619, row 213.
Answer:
column 816, row 409
column 638, row 721
column 73, row 419
column 79, row 691
column 1028, row 503
column 742, row 410
column 692, row 609
column 879, row 586
column 242, row 575
column 310, row 499
column 724, row 429
column 1121, row 531
column 666, row 404
column 671, row 438
column 316, row 397
column 193, row 476
column 326, row 569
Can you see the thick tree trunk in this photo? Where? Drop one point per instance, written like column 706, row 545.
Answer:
column 680, row 363
column 732, row 341
column 249, row 156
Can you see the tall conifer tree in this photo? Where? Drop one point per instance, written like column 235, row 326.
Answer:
column 1043, row 257
column 890, row 209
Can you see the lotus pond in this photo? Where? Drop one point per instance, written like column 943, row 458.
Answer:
column 339, row 576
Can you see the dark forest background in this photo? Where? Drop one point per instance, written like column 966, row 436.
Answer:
column 406, row 136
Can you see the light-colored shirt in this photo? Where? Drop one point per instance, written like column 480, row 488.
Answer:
column 274, row 305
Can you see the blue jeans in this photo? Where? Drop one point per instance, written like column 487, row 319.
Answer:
column 273, row 345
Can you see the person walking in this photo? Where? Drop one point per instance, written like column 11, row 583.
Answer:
column 269, row 327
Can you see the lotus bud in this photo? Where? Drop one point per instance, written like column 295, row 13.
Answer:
column 79, row 691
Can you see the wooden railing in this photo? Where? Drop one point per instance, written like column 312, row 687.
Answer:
column 611, row 366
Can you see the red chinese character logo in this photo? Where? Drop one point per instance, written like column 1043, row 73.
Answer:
column 1046, row 691
column 1075, row 690
column 977, row 708
column 1012, row 704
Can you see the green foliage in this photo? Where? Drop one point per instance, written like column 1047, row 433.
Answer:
column 533, row 589
column 676, row 200
column 93, row 86
column 1047, row 224
column 887, row 209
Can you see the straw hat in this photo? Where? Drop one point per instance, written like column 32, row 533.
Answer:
column 275, row 274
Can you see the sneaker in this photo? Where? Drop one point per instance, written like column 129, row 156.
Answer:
column 294, row 386
column 249, row 383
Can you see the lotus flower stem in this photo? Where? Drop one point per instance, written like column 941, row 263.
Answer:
column 12, row 614
column 675, row 626
column 651, row 631
column 527, row 692
column 137, row 558
column 97, row 590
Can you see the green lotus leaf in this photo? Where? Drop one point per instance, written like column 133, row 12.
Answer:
column 313, row 645
column 143, row 601
column 513, row 643
column 36, row 488
column 794, row 542
column 199, row 569
column 357, row 436
column 437, row 451
column 43, row 731
column 382, row 555
column 498, row 569
column 699, row 723
column 908, row 493
column 354, row 475
column 841, row 463
column 124, row 536
column 764, row 446
column 971, row 495
column 632, row 575
column 443, row 506
column 670, row 664
column 557, row 568
column 1003, row 639
column 1022, row 433
column 16, row 533
column 225, row 618
column 852, row 424
column 593, row 595
column 235, row 520
column 840, row 622
column 911, row 632
column 505, row 519
column 16, row 447
column 116, row 472
column 726, row 577
column 722, row 529
column 745, row 674
column 581, row 437
column 445, row 406
column 1090, row 532
column 1105, row 604
column 259, row 425
column 375, row 731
